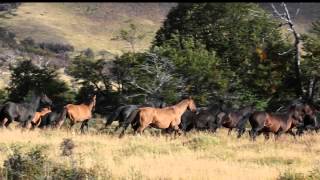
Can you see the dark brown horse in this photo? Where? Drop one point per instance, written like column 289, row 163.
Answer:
column 310, row 121
column 77, row 113
column 162, row 118
column 235, row 119
column 264, row 122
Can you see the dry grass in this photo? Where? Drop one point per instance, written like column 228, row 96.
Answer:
column 195, row 156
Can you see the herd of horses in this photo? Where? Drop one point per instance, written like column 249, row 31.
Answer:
column 179, row 118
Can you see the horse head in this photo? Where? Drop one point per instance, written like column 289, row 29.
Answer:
column 45, row 100
column 191, row 105
column 296, row 112
column 309, row 111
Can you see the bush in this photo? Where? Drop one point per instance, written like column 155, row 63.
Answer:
column 290, row 175
column 56, row 47
column 27, row 166
column 60, row 172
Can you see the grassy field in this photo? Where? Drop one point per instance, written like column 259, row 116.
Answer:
column 194, row 156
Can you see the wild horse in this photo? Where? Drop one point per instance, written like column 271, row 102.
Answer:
column 310, row 121
column 22, row 112
column 39, row 115
column 161, row 118
column 277, row 123
column 235, row 119
column 122, row 114
column 77, row 113
column 205, row 118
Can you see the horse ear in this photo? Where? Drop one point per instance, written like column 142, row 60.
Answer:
column 189, row 97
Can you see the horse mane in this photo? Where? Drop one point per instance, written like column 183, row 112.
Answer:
column 88, row 101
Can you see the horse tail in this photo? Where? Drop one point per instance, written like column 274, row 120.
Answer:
column 133, row 120
column 267, row 121
column 61, row 118
column 114, row 115
column 243, row 121
column 2, row 113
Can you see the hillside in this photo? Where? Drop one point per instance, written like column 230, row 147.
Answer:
column 93, row 25
column 86, row 25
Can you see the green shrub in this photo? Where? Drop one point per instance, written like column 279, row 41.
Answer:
column 25, row 166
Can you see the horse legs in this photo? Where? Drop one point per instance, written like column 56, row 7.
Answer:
column 84, row 123
column 141, row 128
column 266, row 136
column 278, row 134
column 229, row 132
column 124, row 128
column 4, row 122
column 240, row 132
column 71, row 125
column 177, row 130
column 292, row 133
column 254, row 133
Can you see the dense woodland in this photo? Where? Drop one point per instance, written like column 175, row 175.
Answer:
column 235, row 52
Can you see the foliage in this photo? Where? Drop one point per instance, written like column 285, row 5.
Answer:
column 28, row 166
column 56, row 47
column 147, row 75
column 310, row 64
column 131, row 35
column 8, row 9
column 26, row 77
column 241, row 40
column 203, row 75
column 94, row 77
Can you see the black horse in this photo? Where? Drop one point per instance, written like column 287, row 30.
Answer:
column 235, row 119
column 22, row 112
column 205, row 118
column 310, row 121
column 123, row 113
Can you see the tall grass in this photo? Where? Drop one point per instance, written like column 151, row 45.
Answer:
column 197, row 155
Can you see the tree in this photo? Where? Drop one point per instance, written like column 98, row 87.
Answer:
column 132, row 36
column 310, row 64
column 203, row 76
column 93, row 76
column 146, row 75
column 288, row 21
column 244, row 40
column 26, row 77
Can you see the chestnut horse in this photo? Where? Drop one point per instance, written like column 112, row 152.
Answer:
column 38, row 115
column 162, row 118
column 77, row 113
column 263, row 122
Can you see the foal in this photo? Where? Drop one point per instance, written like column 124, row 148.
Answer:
column 78, row 113
column 38, row 116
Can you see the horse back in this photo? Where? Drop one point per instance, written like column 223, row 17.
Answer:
column 257, row 119
column 78, row 112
